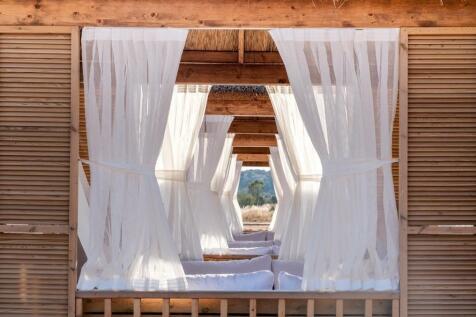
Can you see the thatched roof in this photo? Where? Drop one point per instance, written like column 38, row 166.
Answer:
column 227, row 40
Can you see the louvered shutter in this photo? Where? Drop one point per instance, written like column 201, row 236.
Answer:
column 440, row 184
column 39, row 96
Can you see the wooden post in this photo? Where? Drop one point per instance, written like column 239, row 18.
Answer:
column 79, row 307
column 223, row 308
column 339, row 308
column 137, row 311
column 194, row 307
column 310, row 308
column 403, row 169
column 281, row 307
column 395, row 308
column 368, row 308
column 166, row 307
column 107, row 307
column 252, row 307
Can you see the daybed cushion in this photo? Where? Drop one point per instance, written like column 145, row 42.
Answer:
column 253, row 236
column 269, row 236
column 255, row 281
column 290, row 267
column 242, row 251
column 288, row 282
column 260, row 263
column 249, row 244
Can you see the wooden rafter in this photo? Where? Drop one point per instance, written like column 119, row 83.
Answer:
column 241, row 46
column 251, row 150
column 253, row 157
column 237, row 107
column 254, row 140
column 253, row 126
column 251, row 163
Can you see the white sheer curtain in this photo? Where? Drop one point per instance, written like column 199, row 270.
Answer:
column 129, row 74
column 228, row 196
column 181, row 135
column 306, row 164
column 277, row 188
column 206, row 203
column 345, row 82
column 286, row 191
column 83, row 208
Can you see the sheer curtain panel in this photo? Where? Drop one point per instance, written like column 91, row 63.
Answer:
column 306, row 164
column 210, row 218
column 345, row 82
column 129, row 75
column 277, row 189
column 228, row 195
column 181, row 135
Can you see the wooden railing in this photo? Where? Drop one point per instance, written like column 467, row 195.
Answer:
column 273, row 303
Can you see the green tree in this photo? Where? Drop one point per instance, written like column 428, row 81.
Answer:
column 255, row 189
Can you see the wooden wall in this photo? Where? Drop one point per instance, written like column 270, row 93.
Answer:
column 38, row 155
column 438, row 97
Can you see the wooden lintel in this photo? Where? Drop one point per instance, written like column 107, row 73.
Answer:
column 260, row 107
column 232, row 74
column 236, row 14
column 253, row 126
column 253, row 157
column 250, row 140
column 251, row 150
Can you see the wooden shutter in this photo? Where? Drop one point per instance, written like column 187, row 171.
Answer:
column 39, row 87
column 438, row 172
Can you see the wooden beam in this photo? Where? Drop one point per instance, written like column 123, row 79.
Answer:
column 231, row 13
column 267, row 126
column 241, row 46
column 251, row 163
column 249, row 140
column 248, row 107
column 224, row 57
column 253, row 157
column 232, row 74
column 251, row 150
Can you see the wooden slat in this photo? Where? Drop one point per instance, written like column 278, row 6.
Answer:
column 339, row 308
column 194, row 308
column 395, row 308
column 281, row 307
column 107, row 307
column 310, row 308
column 250, row 150
column 166, row 307
column 253, row 125
column 254, row 140
column 79, row 307
column 253, row 157
column 368, row 308
column 223, row 308
column 136, row 307
column 252, row 307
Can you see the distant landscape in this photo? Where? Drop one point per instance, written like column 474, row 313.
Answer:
column 256, row 195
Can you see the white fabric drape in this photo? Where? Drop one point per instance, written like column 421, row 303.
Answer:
column 277, row 188
column 306, row 164
column 181, row 135
column 286, row 183
column 129, row 74
column 210, row 218
column 345, row 82
column 227, row 197
column 83, row 208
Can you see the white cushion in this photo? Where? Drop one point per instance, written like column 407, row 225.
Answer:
column 260, row 263
column 288, row 282
column 255, row 281
column 249, row 244
column 242, row 251
column 291, row 267
column 270, row 236
column 253, row 236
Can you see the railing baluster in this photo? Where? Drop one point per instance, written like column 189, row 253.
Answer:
column 79, row 307
column 136, row 303
column 194, row 307
column 224, row 308
column 310, row 308
column 107, row 307
column 252, row 307
column 166, row 307
column 339, row 308
column 281, row 308
column 395, row 308
column 368, row 308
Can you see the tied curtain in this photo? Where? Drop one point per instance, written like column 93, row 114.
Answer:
column 181, row 135
column 129, row 76
column 307, row 168
column 282, row 176
column 210, row 219
column 345, row 83
column 233, row 216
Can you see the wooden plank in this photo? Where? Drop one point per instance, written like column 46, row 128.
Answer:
column 252, row 307
column 339, row 308
column 73, row 168
column 281, row 307
column 253, row 157
column 107, row 307
column 194, row 309
column 166, row 307
column 250, row 150
column 264, row 126
column 223, row 308
column 395, row 308
column 368, row 308
column 254, row 140
column 310, row 308
column 46, row 229
column 255, row 164
column 232, row 74
column 441, row 230
column 136, row 307
column 241, row 46
column 256, row 14
column 403, row 169
column 248, row 107
column 79, row 307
